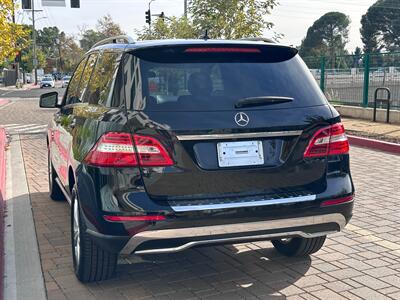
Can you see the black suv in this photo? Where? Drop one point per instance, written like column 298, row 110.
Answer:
column 160, row 146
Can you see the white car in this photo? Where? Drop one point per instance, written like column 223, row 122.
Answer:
column 65, row 81
column 47, row 82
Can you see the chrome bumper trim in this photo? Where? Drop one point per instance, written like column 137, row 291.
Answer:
column 285, row 225
column 183, row 208
column 249, row 135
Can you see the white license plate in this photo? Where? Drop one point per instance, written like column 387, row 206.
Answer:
column 234, row 154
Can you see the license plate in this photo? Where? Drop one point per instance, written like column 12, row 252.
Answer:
column 235, row 154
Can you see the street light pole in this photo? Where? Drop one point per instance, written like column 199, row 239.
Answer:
column 150, row 16
column 185, row 8
column 34, row 41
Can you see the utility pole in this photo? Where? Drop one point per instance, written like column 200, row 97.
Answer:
column 185, row 8
column 34, row 41
column 15, row 44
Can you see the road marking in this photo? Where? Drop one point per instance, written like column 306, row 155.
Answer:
column 25, row 128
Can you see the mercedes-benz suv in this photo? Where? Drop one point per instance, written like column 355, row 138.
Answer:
column 160, row 146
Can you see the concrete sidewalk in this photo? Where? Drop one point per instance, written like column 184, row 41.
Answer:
column 374, row 130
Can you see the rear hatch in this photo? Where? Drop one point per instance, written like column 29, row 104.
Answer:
column 234, row 118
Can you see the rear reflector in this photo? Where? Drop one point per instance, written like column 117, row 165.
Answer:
column 331, row 140
column 222, row 50
column 133, row 218
column 337, row 201
column 116, row 149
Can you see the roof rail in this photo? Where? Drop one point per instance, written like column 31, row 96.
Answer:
column 258, row 39
column 126, row 39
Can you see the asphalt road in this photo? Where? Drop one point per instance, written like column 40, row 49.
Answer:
column 31, row 93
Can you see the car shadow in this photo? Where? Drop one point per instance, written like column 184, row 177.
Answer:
column 244, row 270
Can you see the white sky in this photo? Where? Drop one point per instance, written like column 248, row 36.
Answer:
column 291, row 18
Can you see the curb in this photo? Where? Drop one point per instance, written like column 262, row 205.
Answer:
column 392, row 148
column 3, row 143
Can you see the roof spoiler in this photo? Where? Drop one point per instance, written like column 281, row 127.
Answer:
column 119, row 39
column 258, row 39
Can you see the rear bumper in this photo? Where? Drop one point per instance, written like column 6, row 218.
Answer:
column 185, row 238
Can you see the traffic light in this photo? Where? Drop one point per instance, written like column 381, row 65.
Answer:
column 148, row 16
column 18, row 57
column 75, row 4
column 26, row 4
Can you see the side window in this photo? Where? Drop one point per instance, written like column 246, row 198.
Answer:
column 86, row 76
column 102, row 81
column 71, row 96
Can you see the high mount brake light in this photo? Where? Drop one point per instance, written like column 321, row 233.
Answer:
column 331, row 140
column 222, row 50
column 116, row 149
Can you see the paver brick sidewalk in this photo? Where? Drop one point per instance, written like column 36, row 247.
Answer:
column 374, row 130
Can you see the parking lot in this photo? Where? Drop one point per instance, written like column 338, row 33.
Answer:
column 362, row 262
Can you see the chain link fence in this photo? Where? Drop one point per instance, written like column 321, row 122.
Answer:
column 353, row 79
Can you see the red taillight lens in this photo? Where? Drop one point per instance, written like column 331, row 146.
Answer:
column 116, row 149
column 222, row 50
column 337, row 201
column 330, row 140
column 151, row 152
column 133, row 218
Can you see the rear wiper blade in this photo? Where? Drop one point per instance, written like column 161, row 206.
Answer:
column 262, row 100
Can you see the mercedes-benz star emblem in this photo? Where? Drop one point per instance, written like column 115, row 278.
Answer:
column 242, row 119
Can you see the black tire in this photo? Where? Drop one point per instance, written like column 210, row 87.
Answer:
column 54, row 189
column 91, row 263
column 299, row 246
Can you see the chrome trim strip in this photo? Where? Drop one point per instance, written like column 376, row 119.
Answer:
column 182, row 208
column 233, row 240
column 283, row 224
column 225, row 136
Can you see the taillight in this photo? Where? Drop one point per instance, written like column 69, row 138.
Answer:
column 222, row 50
column 134, row 218
column 113, row 149
column 331, row 140
column 151, row 152
column 337, row 201
column 116, row 149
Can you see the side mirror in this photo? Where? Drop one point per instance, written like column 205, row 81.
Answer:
column 49, row 100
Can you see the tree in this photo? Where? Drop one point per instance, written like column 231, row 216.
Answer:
column 14, row 37
column 232, row 19
column 27, row 59
column 380, row 26
column 168, row 28
column 327, row 36
column 70, row 52
column 105, row 27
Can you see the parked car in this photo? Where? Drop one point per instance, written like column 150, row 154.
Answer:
column 160, row 146
column 65, row 81
column 47, row 82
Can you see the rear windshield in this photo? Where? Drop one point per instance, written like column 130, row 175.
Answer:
column 202, row 83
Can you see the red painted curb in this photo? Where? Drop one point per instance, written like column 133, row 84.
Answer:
column 3, row 102
column 3, row 141
column 374, row 144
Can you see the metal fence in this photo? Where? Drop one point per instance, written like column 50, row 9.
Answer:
column 353, row 79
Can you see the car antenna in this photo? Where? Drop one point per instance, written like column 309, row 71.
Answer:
column 205, row 36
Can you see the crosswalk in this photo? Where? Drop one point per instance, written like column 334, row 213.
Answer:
column 25, row 128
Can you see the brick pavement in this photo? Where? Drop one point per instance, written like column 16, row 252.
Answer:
column 362, row 262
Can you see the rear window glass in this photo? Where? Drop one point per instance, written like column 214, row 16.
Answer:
column 201, row 84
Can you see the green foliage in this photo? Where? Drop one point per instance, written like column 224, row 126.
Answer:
column 381, row 27
column 327, row 36
column 27, row 59
column 170, row 28
column 231, row 19
column 106, row 27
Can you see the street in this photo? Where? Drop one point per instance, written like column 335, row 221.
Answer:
column 362, row 262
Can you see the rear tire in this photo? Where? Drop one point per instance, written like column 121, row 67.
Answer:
column 91, row 263
column 55, row 191
column 299, row 246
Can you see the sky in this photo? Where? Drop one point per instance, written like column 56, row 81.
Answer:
column 292, row 18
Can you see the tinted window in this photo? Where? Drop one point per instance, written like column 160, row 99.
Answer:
column 87, row 72
column 102, row 80
column 215, row 84
column 74, row 82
